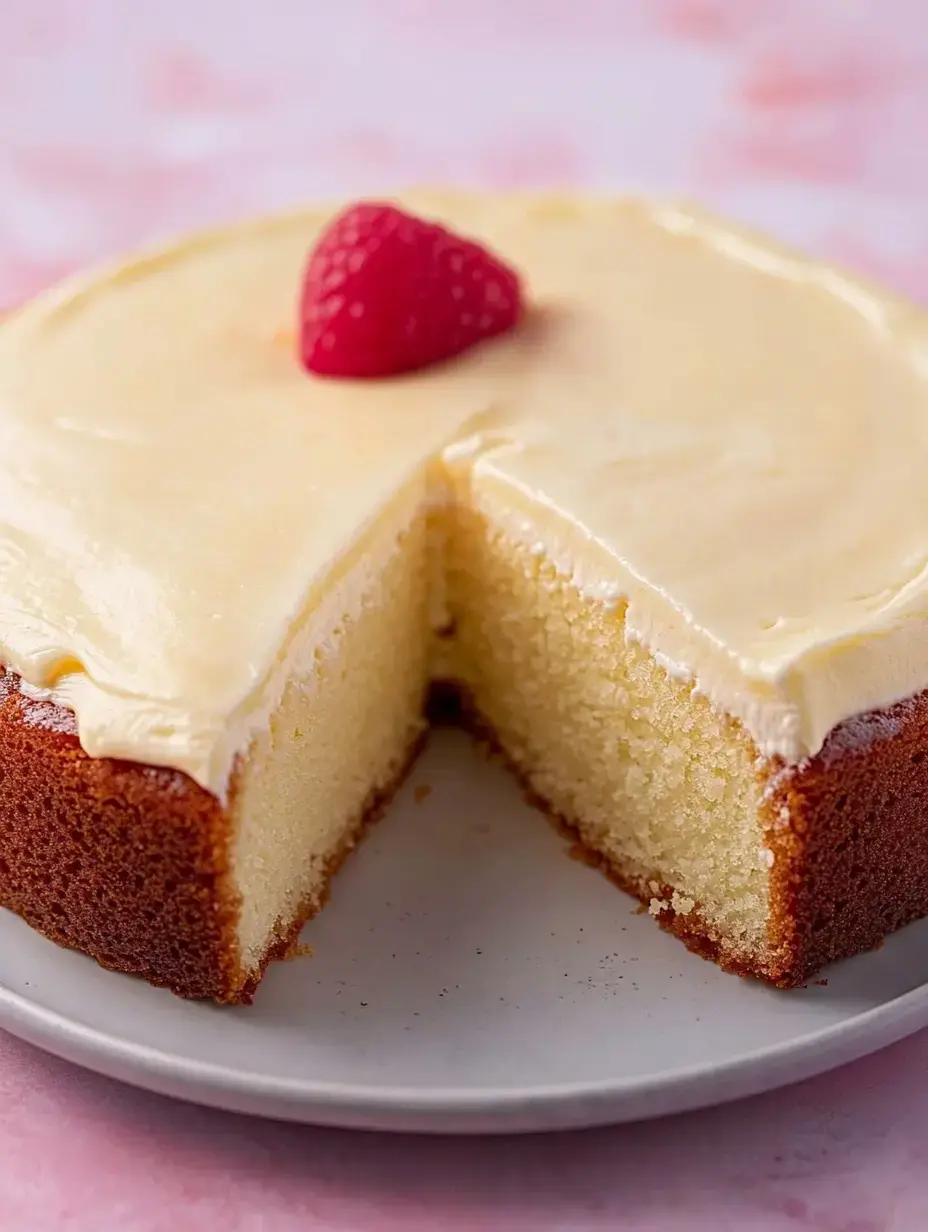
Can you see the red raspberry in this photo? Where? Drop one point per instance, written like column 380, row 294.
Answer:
column 386, row 292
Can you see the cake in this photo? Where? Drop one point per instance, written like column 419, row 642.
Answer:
column 665, row 542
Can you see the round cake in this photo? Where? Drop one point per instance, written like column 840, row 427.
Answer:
column 660, row 528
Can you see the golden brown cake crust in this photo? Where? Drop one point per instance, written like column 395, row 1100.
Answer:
column 849, row 833
column 127, row 863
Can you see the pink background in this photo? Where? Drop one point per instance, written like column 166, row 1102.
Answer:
column 119, row 121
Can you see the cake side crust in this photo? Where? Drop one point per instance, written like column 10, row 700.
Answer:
column 849, row 834
column 124, row 862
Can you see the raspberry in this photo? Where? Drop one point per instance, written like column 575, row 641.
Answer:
column 386, row 292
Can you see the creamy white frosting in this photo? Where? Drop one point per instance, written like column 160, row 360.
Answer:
column 728, row 438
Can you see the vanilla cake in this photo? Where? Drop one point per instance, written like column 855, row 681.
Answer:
column 666, row 542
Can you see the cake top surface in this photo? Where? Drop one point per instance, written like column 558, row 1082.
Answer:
column 728, row 437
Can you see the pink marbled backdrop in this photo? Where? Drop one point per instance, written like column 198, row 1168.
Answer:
column 120, row 120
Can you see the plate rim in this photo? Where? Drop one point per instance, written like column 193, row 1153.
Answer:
column 453, row 1110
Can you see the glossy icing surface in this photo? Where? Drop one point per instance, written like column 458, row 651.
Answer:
column 731, row 438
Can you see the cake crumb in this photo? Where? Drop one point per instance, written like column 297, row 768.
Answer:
column 299, row 949
column 422, row 792
column 657, row 905
column 682, row 903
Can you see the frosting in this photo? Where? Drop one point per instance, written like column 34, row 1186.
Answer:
column 727, row 438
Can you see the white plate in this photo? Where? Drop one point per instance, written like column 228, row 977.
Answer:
column 468, row 976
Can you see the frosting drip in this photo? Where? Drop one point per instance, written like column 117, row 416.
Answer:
column 728, row 438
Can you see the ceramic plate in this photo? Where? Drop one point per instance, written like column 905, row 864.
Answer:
column 467, row 976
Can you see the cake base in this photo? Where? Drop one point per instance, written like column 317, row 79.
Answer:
column 129, row 864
